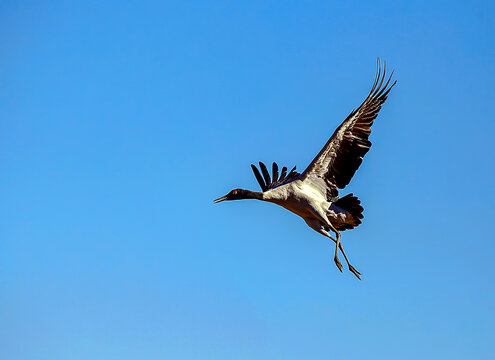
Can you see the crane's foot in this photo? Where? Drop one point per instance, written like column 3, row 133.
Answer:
column 338, row 263
column 354, row 271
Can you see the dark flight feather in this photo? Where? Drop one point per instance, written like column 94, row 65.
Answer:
column 266, row 183
column 266, row 175
column 274, row 172
column 342, row 155
column 259, row 178
column 284, row 173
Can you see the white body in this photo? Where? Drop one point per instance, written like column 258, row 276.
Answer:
column 307, row 201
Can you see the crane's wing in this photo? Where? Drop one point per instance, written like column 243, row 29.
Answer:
column 267, row 183
column 344, row 151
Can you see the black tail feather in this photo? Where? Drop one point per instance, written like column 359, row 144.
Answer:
column 352, row 205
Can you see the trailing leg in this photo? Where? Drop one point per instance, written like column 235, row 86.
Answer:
column 351, row 268
column 316, row 226
column 339, row 244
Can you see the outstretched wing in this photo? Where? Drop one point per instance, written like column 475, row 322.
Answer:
column 343, row 153
column 267, row 183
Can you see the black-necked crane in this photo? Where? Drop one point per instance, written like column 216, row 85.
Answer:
column 313, row 195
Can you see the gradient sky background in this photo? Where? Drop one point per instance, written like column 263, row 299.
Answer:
column 121, row 122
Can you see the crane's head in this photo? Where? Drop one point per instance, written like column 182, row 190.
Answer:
column 238, row 194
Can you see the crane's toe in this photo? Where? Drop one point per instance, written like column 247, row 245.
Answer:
column 338, row 263
column 354, row 271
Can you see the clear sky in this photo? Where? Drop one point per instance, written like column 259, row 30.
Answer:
column 120, row 122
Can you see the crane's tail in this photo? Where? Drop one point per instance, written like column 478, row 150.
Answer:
column 352, row 211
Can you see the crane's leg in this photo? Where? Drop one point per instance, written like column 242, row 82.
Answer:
column 325, row 222
column 337, row 246
column 351, row 268
column 316, row 226
column 327, row 227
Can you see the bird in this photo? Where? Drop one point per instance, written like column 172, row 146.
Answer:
column 314, row 194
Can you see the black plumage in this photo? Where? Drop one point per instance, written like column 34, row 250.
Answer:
column 267, row 183
column 343, row 153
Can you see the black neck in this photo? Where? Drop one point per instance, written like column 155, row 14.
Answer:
column 253, row 195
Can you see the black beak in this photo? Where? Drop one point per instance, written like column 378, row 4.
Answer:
column 220, row 199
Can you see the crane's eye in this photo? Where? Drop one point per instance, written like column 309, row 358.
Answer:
column 234, row 192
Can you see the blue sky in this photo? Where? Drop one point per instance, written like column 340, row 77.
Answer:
column 120, row 122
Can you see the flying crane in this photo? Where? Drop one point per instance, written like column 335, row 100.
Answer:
column 313, row 194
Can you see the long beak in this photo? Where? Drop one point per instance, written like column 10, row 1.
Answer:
column 220, row 199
